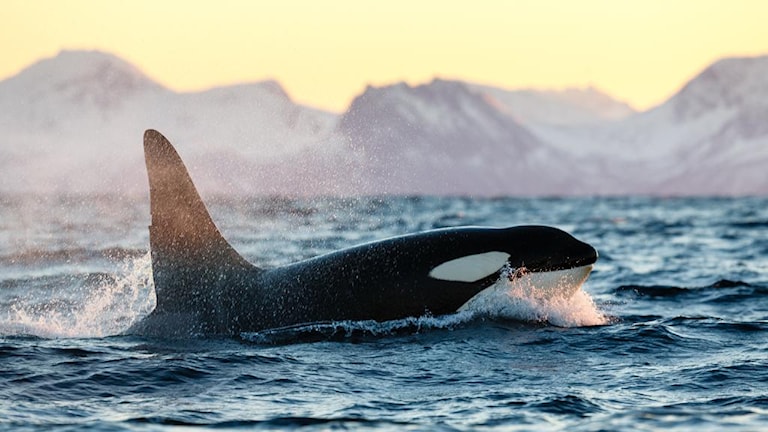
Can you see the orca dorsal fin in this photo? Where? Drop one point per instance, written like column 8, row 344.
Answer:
column 182, row 235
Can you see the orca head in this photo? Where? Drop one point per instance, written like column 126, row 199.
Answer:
column 543, row 249
column 552, row 264
column 543, row 257
column 543, row 266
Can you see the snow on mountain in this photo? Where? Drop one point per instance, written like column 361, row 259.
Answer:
column 81, row 79
column 571, row 106
column 730, row 100
column 732, row 83
column 711, row 138
column 74, row 123
column 446, row 138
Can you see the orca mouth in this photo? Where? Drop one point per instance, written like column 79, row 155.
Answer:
column 523, row 269
column 555, row 283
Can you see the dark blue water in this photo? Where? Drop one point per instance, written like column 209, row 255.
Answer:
column 670, row 332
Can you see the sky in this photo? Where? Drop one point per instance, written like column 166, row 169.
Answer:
column 326, row 52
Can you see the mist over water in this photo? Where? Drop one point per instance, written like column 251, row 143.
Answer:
column 667, row 333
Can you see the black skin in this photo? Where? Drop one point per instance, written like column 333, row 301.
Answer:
column 204, row 287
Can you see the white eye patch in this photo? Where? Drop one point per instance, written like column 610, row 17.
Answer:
column 470, row 268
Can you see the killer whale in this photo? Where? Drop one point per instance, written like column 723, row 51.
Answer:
column 204, row 287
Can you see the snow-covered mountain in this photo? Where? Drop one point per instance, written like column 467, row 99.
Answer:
column 446, row 138
column 73, row 123
column 711, row 138
column 730, row 101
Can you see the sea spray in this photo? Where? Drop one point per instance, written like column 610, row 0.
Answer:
column 93, row 305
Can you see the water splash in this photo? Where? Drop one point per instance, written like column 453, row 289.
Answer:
column 99, row 306
column 563, row 305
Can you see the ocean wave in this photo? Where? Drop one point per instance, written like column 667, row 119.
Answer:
column 355, row 330
column 722, row 288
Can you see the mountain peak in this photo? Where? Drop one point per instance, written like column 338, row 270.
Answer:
column 440, row 105
column 83, row 74
column 727, row 83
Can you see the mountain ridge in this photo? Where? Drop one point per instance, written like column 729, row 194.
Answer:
column 84, row 109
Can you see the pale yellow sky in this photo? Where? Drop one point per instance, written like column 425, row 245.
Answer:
column 325, row 52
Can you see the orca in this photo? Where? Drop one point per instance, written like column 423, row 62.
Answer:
column 204, row 287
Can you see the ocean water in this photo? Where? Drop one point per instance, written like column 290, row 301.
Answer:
column 670, row 332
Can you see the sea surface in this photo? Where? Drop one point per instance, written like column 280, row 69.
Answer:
column 670, row 331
